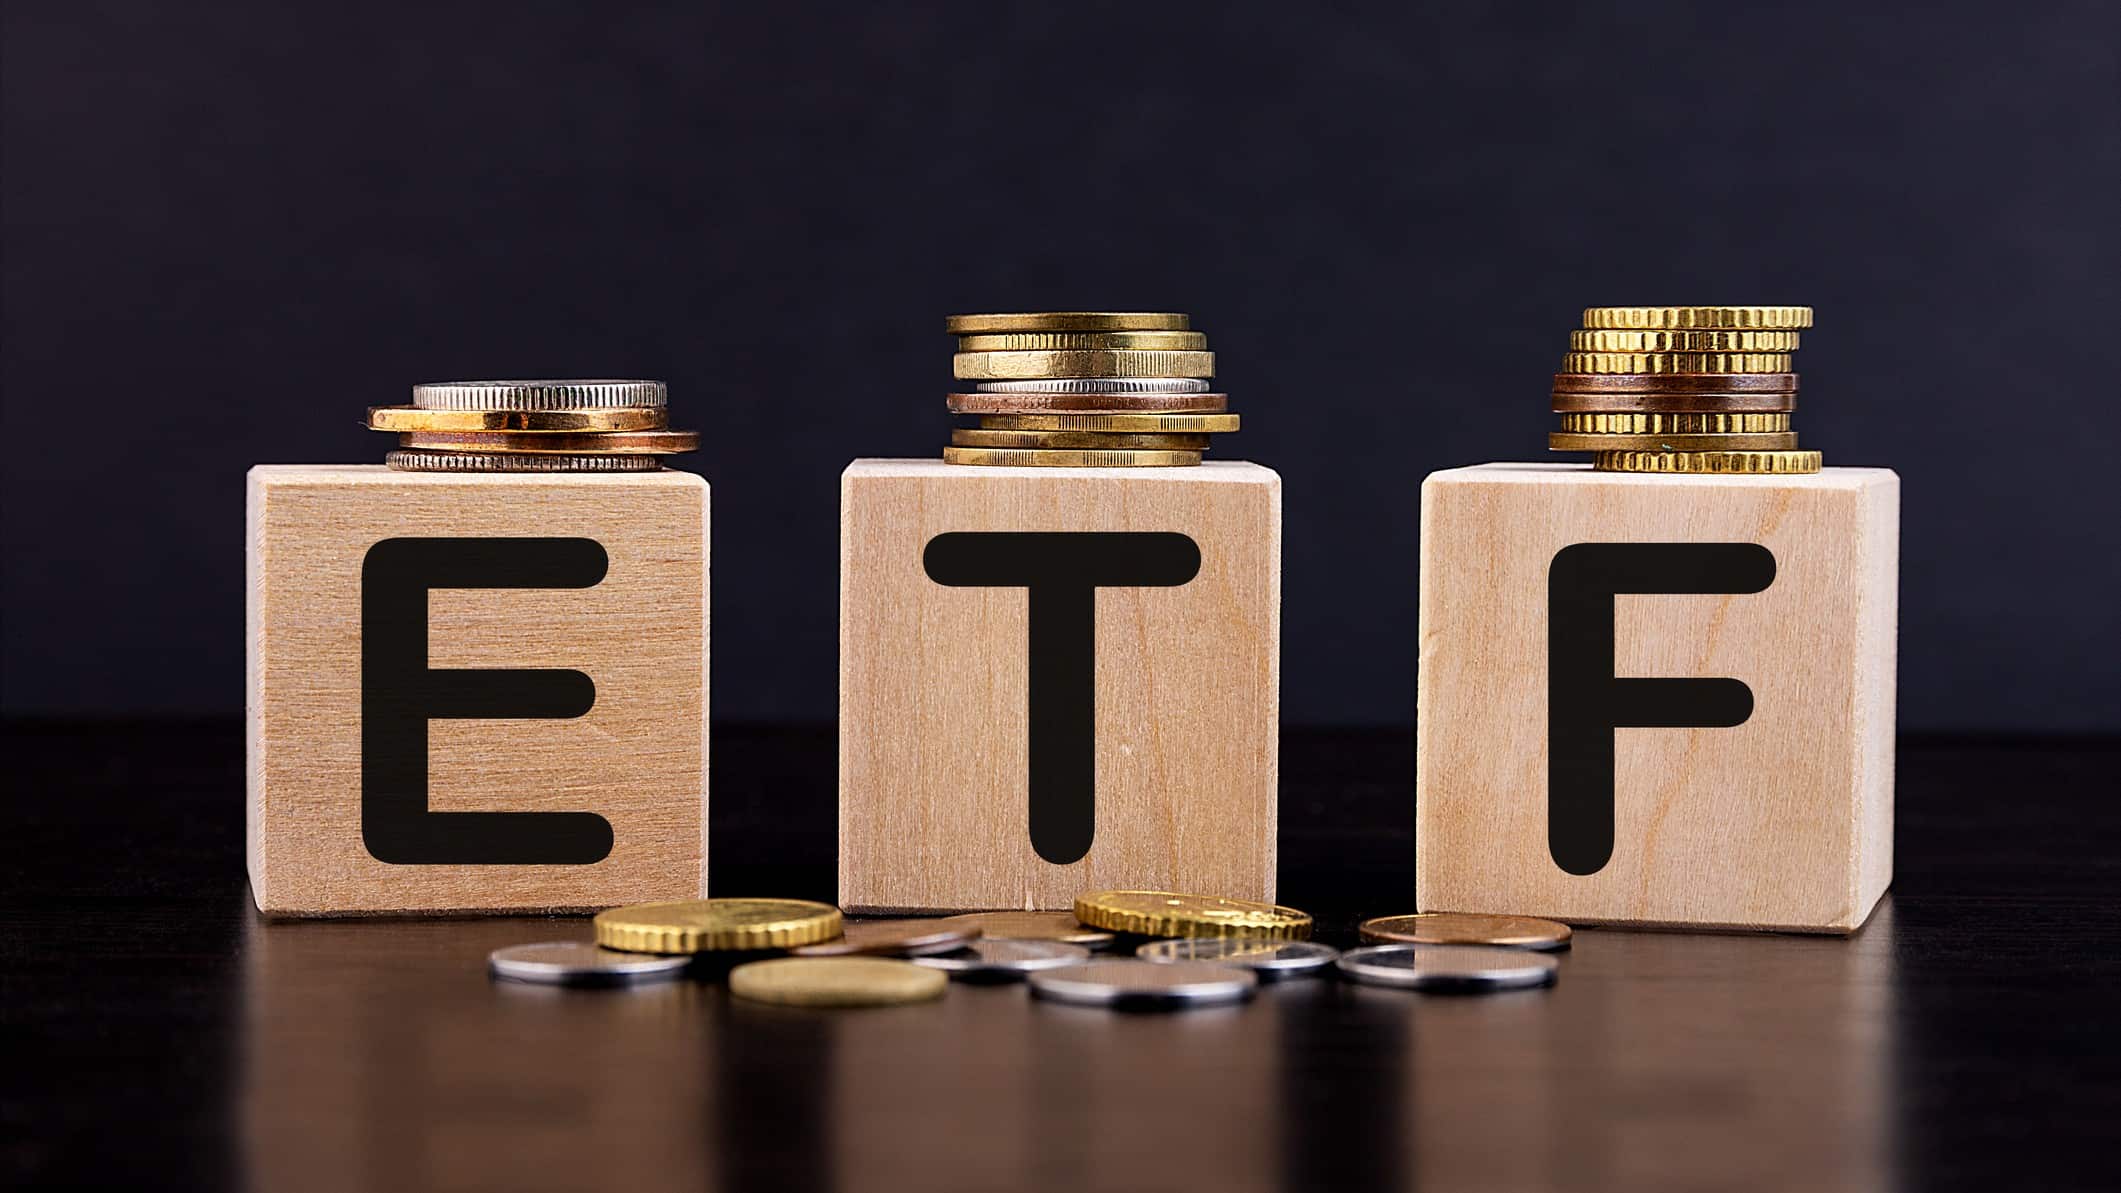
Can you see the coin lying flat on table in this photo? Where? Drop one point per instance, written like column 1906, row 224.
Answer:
column 1612, row 441
column 1080, row 440
column 1113, row 386
column 1015, row 457
column 419, row 461
column 1448, row 967
column 1169, row 913
column 1079, row 341
column 895, row 938
column 835, row 982
column 1456, row 927
column 586, row 442
column 1175, row 424
column 1143, row 985
column 1091, row 362
column 538, row 395
column 1037, row 925
column 990, row 959
column 713, row 925
column 579, row 963
column 1269, row 960
column 968, row 325
column 615, row 418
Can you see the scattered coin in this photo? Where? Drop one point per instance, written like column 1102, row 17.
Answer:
column 1169, row 913
column 1126, row 388
column 1142, row 985
column 998, row 960
column 1269, row 960
column 895, row 938
column 1010, row 457
column 1454, row 927
column 1078, row 341
column 966, row 325
column 1037, row 925
column 1448, row 967
column 610, row 418
column 1116, row 362
column 585, row 443
column 835, row 982
column 713, row 925
column 578, row 963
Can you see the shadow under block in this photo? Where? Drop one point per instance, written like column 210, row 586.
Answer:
column 935, row 721
column 600, row 575
column 1783, row 820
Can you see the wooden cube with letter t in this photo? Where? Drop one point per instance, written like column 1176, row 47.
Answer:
column 1657, row 699
column 1054, row 680
column 475, row 692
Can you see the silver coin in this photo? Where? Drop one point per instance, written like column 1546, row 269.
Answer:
column 538, row 395
column 579, row 963
column 1145, row 985
column 1003, row 960
column 420, row 460
column 1448, row 967
column 1270, row 960
column 1097, row 385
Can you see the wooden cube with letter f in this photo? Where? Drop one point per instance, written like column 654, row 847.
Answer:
column 1056, row 680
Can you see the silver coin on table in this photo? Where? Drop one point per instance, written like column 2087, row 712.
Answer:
column 1145, row 985
column 580, row 963
column 1001, row 960
column 1097, row 385
column 1270, row 960
column 1448, row 967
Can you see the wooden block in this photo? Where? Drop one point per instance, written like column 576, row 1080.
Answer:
column 1000, row 750
column 475, row 693
column 1753, row 617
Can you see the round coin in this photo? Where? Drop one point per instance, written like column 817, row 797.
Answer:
column 1675, row 403
column 1737, row 463
column 1711, row 317
column 599, row 443
column 613, row 418
column 1665, row 383
column 964, row 325
column 1076, row 341
column 537, row 395
column 1269, row 960
column 1191, row 402
column 419, row 461
column 1140, row 985
column 1017, row 366
column 1683, row 341
column 1012, row 457
column 713, row 925
column 1453, row 927
column 1097, row 385
column 1079, row 440
column 1169, row 424
column 1675, row 362
column 1448, row 967
column 895, row 938
column 991, row 959
column 1168, row 913
column 835, row 982
column 1037, row 925
column 1674, row 424
column 579, row 963
column 1574, row 441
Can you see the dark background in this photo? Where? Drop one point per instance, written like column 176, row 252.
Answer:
column 231, row 227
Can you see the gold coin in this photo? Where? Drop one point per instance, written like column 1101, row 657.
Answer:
column 1683, row 340
column 713, row 925
column 965, row 325
column 1675, row 362
column 1684, row 423
column 836, row 982
column 1078, row 440
column 594, row 443
column 1038, row 925
column 1757, row 463
column 1016, row 457
column 1092, row 362
column 1453, row 927
column 1656, row 318
column 1167, row 913
column 1076, row 341
column 1170, row 424
column 610, row 418
column 1608, row 441
column 896, row 938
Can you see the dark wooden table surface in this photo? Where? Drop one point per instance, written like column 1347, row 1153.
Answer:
column 161, row 1036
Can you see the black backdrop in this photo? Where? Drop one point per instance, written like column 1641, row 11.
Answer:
column 230, row 227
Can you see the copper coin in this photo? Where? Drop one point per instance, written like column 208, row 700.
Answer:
column 1674, row 403
column 549, row 442
column 896, row 938
column 1675, row 383
column 985, row 403
column 1453, row 927
column 1038, row 925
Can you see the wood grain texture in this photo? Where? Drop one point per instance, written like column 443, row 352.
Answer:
column 638, row 757
column 933, row 690
column 1782, row 822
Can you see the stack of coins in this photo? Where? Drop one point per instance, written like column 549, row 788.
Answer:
column 1683, row 390
column 532, row 426
column 1084, row 389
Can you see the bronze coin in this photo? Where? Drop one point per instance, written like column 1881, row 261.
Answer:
column 1674, row 383
column 1454, row 927
column 1673, row 403
column 896, row 938
column 1080, row 440
column 1595, row 441
column 548, row 442
column 1038, row 925
column 986, row 403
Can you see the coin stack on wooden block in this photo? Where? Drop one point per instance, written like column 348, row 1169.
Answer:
column 532, row 426
column 1072, row 389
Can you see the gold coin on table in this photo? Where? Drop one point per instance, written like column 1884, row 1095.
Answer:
column 1079, row 440
column 1076, row 341
column 1654, row 318
column 1675, row 362
column 895, row 938
column 716, row 925
column 965, row 325
column 1681, row 423
column 836, row 982
column 1683, row 340
column 1740, row 463
column 610, row 418
column 1016, row 457
column 1061, row 926
column 1170, row 424
column 1089, row 362
column 593, row 443
column 1168, row 913
column 1453, row 927
column 1610, row 441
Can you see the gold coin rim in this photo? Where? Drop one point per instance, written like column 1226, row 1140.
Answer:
column 1647, row 422
column 1630, row 339
column 1677, row 463
column 1707, row 364
column 1543, row 942
column 1027, row 457
column 1183, row 441
column 561, row 443
column 1702, row 318
column 806, row 922
column 916, row 983
column 1672, row 441
column 990, row 324
column 1108, row 909
column 401, row 419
